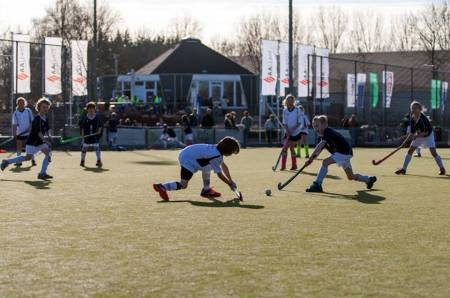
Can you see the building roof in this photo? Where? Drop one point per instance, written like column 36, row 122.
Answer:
column 191, row 56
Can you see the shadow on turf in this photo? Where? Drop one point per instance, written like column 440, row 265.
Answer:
column 38, row 184
column 423, row 176
column 217, row 204
column 156, row 162
column 362, row 196
column 95, row 170
column 20, row 169
column 333, row 177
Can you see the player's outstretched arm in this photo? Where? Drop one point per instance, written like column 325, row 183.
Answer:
column 227, row 181
column 316, row 152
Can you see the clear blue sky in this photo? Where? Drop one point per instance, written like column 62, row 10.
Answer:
column 217, row 17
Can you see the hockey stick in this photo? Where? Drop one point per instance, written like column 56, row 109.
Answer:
column 377, row 162
column 283, row 185
column 238, row 194
column 73, row 139
column 274, row 168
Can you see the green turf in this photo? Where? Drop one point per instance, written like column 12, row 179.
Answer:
column 104, row 233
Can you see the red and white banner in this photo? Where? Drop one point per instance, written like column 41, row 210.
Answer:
column 351, row 90
column 269, row 70
column 53, row 65
column 388, row 77
column 21, row 65
column 322, row 73
column 284, row 67
column 79, row 67
column 305, row 68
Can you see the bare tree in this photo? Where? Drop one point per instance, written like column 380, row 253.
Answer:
column 368, row 33
column 224, row 46
column 432, row 26
column 332, row 23
column 184, row 26
column 403, row 36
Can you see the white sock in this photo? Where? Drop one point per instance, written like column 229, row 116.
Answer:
column 206, row 175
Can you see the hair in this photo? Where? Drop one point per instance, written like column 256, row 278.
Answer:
column 301, row 108
column 21, row 99
column 43, row 100
column 287, row 98
column 322, row 119
column 90, row 104
column 228, row 146
column 416, row 104
column 185, row 119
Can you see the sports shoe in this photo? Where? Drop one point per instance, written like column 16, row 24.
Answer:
column 33, row 163
column 82, row 163
column 294, row 168
column 400, row 172
column 159, row 188
column 44, row 176
column 307, row 156
column 99, row 163
column 4, row 164
column 283, row 169
column 417, row 155
column 442, row 172
column 210, row 193
column 315, row 188
column 371, row 182
column 18, row 164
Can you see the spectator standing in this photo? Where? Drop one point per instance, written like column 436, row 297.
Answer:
column 247, row 122
column 112, row 130
column 208, row 120
column 193, row 118
column 271, row 128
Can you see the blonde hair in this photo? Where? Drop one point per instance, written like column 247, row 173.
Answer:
column 416, row 104
column 41, row 101
column 21, row 99
column 288, row 97
column 322, row 119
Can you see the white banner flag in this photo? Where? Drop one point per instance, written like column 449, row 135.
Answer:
column 21, row 65
column 269, row 71
column 322, row 73
column 351, row 90
column 389, row 88
column 284, row 67
column 79, row 67
column 444, row 95
column 53, row 65
column 305, row 68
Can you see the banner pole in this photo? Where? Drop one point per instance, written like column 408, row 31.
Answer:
column 12, row 78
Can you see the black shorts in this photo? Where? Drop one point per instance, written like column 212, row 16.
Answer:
column 186, row 174
column 21, row 138
column 295, row 138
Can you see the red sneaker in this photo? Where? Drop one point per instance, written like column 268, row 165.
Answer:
column 210, row 193
column 159, row 188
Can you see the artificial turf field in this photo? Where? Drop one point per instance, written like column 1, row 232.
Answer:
column 104, row 233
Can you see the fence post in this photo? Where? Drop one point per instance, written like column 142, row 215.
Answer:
column 356, row 87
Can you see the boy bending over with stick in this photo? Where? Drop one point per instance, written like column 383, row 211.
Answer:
column 421, row 132
column 36, row 140
column 341, row 153
column 202, row 157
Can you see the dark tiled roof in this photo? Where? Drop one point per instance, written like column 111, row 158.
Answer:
column 192, row 57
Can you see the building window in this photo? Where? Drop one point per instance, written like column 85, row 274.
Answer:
column 150, row 85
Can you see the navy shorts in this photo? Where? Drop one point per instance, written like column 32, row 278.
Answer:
column 296, row 138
